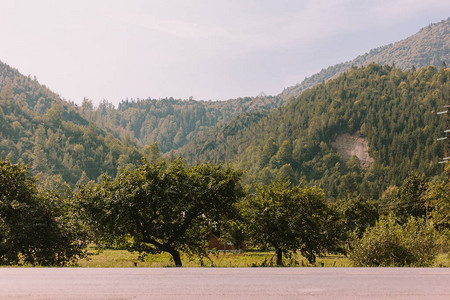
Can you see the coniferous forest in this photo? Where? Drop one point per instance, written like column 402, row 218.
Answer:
column 393, row 110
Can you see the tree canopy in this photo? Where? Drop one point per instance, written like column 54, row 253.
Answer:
column 162, row 207
column 35, row 228
column 291, row 219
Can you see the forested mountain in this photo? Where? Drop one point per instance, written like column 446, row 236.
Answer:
column 173, row 123
column 40, row 129
column 27, row 90
column 57, row 137
column 393, row 110
column 170, row 123
column 429, row 47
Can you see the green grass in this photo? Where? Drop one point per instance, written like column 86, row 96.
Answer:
column 442, row 260
column 125, row 259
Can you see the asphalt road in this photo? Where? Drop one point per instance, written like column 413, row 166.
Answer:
column 224, row 283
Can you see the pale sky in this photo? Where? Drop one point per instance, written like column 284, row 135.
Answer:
column 206, row 49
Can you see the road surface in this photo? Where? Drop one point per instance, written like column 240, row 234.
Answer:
column 224, row 283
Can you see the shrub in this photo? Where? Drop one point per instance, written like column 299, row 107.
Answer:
column 390, row 244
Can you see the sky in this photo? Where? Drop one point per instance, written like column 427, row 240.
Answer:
column 205, row 49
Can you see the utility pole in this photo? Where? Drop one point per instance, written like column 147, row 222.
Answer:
column 447, row 134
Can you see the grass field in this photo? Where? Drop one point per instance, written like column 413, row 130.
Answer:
column 125, row 259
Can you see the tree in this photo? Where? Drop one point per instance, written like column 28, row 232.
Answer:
column 286, row 172
column 290, row 219
column 438, row 198
column 54, row 183
column 87, row 106
column 407, row 200
column 356, row 213
column 35, row 228
column 151, row 152
column 270, row 148
column 84, row 179
column 283, row 156
column 54, row 115
column 233, row 231
column 162, row 208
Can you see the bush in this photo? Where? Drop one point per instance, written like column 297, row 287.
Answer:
column 389, row 244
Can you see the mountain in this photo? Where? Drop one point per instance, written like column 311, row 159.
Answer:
column 429, row 47
column 169, row 122
column 174, row 123
column 381, row 110
column 40, row 129
column 307, row 140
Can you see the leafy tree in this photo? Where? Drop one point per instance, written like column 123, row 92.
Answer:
column 234, row 231
column 438, row 200
column 390, row 244
column 412, row 195
column 55, row 184
column 162, row 208
column 35, row 228
column 407, row 200
column 357, row 214
column 290, row 219
column 438, row 197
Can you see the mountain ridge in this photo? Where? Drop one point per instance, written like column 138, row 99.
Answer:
column 47, row 133
column 399, row 54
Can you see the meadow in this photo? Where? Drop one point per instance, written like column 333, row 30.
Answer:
column 125, row 259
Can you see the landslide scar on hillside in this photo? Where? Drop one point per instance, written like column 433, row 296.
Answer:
column 348, row 145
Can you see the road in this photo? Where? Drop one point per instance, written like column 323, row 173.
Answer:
column 224, row 283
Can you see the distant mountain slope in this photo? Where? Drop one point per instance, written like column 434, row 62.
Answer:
column 169, row 122
column 38, row 97
column 393, row 110
column 429, row 47
column 40, row 129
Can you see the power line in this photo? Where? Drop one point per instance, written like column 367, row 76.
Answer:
column 447, row 133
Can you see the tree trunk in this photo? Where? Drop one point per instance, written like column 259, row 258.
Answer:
column 176, row 258
column 279, row 257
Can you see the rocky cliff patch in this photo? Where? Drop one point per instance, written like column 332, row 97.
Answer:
column 348, row 145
